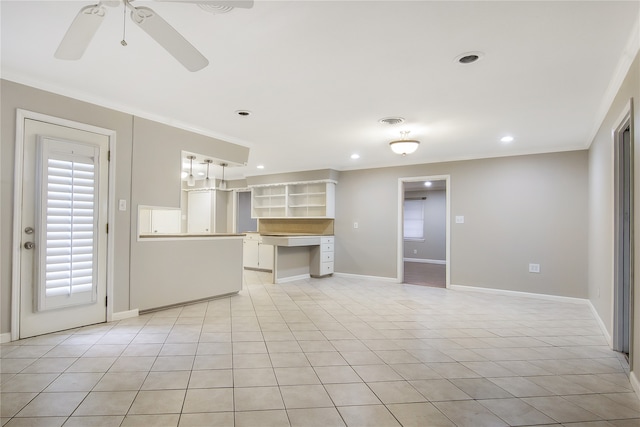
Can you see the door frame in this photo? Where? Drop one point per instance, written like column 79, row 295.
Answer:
column 400, row 232
column 624, row 121
column 21, row 116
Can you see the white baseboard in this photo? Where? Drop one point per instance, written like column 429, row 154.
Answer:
column 293, row 278
column 603, row 328
column 426, row 261
column 520, row 294
column 6, row 337
column 635, row 383
column 121, row 315
column 361, row 276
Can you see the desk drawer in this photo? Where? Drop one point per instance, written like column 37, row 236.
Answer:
column 326, row 256
column 326, row 247
column 326, row 268
column 327, row 240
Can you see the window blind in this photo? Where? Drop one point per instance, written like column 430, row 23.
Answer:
column 70, row 231
column 414, row 219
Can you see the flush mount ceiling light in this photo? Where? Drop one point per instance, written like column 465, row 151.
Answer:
column 469, row 57
column 404, row 146
column 355, row 156
column 191, row 181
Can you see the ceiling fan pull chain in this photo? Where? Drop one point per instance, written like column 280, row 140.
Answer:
column 124, row 25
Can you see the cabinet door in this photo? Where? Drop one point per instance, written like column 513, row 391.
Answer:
column 199, row 213
column 250, row 254
column 265, row 256
column 165, row 221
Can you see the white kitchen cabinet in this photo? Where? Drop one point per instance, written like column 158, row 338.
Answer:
column 154, row 220
column 207, row 211
column 257, row 255
column 313, row 199
column 322, row 258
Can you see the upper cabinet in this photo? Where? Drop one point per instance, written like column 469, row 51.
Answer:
column 313, row 199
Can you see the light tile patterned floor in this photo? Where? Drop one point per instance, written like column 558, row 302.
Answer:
column 326, row 352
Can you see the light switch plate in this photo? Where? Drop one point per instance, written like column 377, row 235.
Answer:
column 122, row 205
column 460, row 219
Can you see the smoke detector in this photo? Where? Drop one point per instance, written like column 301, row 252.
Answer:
column 391, row 120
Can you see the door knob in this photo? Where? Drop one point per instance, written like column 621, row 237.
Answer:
column 29, row 245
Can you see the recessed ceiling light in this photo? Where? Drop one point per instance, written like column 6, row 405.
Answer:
column 260, row 166
column 355, row 156
column 469, row 57
column 427, row 184
column 200, row 173
column 506, row 139
column 243, row 113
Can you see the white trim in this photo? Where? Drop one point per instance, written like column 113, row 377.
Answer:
column 362, row 276
column 555, row 298
column 400, row 232
column 293, row 278
column 635, row 383
column 315, row 181
column 121, row 315
column 426, row 261
column 603, row 328
column 17, row 77
column 6, row 337
column 621, row 70
column 21, row 116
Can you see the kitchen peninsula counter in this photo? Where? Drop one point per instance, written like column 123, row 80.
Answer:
column 179, row 268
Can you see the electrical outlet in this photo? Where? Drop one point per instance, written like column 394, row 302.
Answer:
column 355, row 225
column 534, row 268
column 415, row 251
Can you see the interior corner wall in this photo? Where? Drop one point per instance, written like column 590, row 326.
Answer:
column 601, row 207
column 518, row 210
column 16, row 96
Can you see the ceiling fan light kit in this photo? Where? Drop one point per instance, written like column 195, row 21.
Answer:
column 88, row 20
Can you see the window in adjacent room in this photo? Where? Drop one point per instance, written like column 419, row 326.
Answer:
column 414, row 219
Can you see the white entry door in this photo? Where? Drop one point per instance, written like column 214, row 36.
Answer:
column 63, row 249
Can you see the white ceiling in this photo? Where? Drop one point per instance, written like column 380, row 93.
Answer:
column 318, row 75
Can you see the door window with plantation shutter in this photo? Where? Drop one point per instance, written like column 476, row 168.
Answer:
column 67, row 218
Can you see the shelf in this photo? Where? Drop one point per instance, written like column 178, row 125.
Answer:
column 313, row 199
column 309, row 194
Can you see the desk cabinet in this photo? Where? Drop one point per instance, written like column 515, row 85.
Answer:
column 321, row 263
column 257, row 255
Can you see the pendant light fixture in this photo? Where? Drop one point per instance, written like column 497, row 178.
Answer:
column 404, row 146
column 208, row 182
column 191, row 181
column 223, row 183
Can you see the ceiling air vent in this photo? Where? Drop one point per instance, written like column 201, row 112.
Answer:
column 391, row 120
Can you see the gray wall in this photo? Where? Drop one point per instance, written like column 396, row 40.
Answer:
column 434, row 245
column 145, row 151
column 18, row 96
column 601, row 208
column 518, row 210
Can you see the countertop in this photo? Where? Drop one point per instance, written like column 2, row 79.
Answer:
column 181, row 235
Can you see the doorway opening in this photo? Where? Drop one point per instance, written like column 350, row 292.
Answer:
column 423, row 231
column 624, row 243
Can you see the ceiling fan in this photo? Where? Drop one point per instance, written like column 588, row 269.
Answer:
column 89, row 18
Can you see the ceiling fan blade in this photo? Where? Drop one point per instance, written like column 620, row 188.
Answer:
column 244, row 4
column 169, row 38
column 80, row 33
